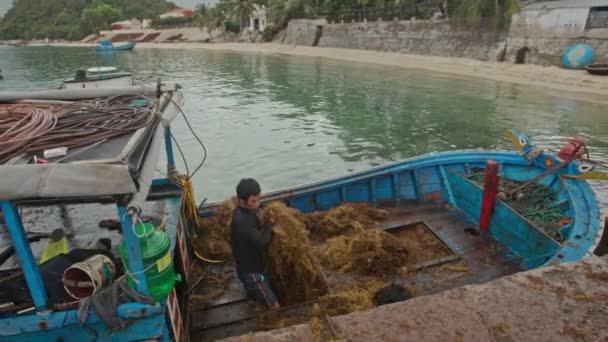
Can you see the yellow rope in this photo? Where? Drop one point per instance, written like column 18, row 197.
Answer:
column 189, row 207
column 190, row 212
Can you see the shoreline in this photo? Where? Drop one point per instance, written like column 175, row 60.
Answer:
column 557, row 81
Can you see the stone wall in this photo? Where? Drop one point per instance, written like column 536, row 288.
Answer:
column 425, row 37
column 441, row 38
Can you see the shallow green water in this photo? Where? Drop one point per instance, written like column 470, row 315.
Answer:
column 290, row 120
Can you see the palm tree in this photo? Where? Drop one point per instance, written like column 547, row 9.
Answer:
column 241, row 10
column 214, row 18
column 282, row 11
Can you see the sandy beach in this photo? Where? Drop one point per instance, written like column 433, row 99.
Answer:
column 565, row 83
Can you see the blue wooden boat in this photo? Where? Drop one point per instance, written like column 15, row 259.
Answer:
column 108, row 46
column 438, row 191
column 126, row 193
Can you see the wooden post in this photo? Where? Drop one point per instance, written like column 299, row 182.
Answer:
column 490, row 190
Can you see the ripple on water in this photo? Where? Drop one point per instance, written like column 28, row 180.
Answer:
column 258, row 113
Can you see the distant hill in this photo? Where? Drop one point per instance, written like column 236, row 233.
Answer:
column 72, row 19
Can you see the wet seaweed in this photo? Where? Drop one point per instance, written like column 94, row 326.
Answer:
column 352, row 297
column 368, row 252
column 213, row 239
column 294, row 274
column 344, row 219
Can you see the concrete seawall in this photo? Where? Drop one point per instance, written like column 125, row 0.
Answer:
column 565, row 302
column 442, row 38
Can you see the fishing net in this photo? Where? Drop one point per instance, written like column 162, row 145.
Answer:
column 344, row 219
column 366, row 252
column 293, row 272
column 536, row 202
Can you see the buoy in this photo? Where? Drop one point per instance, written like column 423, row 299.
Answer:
column 155, row 247
column 578, row 56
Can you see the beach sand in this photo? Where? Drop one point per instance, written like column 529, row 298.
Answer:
column 555, row 80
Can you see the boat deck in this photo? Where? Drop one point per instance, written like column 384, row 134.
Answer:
column 445, row 252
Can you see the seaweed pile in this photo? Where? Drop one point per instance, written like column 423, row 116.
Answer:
column 353, row 243
column 294, row 274
column 536, row 202
column 367, row 252
column 345, row 239
column 213, row 238
column 352, row 297
column 345, row 219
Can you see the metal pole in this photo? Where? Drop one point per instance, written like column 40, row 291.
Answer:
column 169, row 151
column 136, row 264
column 33, row 277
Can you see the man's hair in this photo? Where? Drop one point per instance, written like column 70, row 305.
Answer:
column 247, row 187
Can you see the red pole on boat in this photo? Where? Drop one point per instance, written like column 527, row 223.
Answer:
column 490, row 191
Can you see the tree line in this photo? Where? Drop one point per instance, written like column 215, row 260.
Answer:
column 279, row 12
column 74, row 19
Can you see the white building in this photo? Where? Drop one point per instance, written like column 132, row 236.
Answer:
column 258, row 19
column 563, row 19
column 133, row 24
column 177, row 13
column 543, row 30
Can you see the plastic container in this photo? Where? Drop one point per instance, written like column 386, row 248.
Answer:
column 86, row 277
column 55, row 152
column 155, row 247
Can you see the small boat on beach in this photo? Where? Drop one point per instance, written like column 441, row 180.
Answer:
column 597, row 69
column 108, row 46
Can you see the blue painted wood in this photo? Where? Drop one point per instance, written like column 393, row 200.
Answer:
column 506, row 225
column 329, row 199
column 358, row 191
column 136, row 264
column 169, row 151
column 384, row 187
column 407, row 188
column 372, row 191
column 447, row 187
column 26, row 258
column 396, row 188
column 587, row 224
column 32, row 323
column 166, row 337
column 112, row 48
column 429, row 180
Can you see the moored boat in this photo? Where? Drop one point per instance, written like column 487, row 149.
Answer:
column 99, row 77
column 108, row 46
column 80, row 166
column 544, row 213
column 597, row 69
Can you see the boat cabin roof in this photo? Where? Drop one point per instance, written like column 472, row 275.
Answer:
column 110, row 167
column 101, row 70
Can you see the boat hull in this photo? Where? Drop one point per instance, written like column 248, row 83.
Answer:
column 125, row 47
column 441, row 178
column 114, row 82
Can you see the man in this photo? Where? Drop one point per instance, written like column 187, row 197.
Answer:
column 249, row 242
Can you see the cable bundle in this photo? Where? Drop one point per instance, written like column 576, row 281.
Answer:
column 30, row 129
